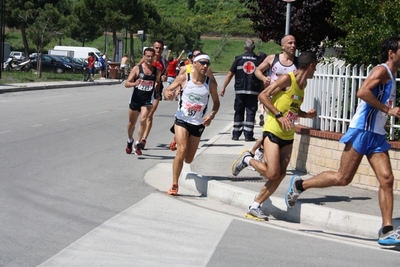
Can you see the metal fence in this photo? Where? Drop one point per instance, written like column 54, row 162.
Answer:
column 333, row 93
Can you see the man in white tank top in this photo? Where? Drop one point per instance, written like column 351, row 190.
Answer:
column 191, row 117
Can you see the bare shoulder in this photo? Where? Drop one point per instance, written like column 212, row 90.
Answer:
column 379, row 73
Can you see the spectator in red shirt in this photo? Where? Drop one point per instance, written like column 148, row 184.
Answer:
column 172, row 67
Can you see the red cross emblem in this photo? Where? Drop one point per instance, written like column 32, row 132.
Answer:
column 249, row 67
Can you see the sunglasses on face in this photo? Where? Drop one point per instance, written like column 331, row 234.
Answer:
column 204, row 63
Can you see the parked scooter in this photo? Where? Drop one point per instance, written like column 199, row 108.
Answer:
column 14, row 64
column 85, row 71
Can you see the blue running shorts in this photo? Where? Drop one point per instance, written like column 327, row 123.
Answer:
column 365, row 142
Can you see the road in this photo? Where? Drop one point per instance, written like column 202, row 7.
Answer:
column 70, row 196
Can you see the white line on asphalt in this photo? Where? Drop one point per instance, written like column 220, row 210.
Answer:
column 5, row 132
column 64, row 120
column 37, row 125
column 83, row 116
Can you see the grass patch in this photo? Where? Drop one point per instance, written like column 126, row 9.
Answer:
column 222, row 51
column 26, row 77
column 222, row 61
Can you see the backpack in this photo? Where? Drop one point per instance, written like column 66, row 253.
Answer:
column 101, row 62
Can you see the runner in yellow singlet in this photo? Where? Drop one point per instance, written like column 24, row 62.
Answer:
column 283, row 99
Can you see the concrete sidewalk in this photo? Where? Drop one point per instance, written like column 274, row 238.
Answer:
column 348, row 210
column 18, row 87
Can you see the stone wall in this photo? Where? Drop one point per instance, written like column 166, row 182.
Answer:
column 315, row 151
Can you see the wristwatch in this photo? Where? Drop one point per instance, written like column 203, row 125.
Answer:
column 278, row 115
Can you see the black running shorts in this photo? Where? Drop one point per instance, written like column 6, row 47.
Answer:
column 195, row 130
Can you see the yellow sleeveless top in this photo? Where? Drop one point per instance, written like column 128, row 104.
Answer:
column 188, row 68
column 288, row 102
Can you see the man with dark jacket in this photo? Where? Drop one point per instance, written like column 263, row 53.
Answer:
column 247, row 88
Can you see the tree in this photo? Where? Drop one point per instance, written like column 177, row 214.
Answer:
column 310, row 21
column 47, row 25
column 19, row 14
column 366, row 23
column 83, row 27
column 144, row 17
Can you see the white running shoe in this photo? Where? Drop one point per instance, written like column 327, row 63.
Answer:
column 256, row 214
column 239, row 164
column 292, row 194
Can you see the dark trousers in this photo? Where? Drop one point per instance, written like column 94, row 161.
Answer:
column 244, row 104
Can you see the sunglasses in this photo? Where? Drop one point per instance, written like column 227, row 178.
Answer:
column 204, row 63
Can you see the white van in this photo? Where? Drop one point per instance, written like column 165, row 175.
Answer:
column 18, row 55
column 79, row 51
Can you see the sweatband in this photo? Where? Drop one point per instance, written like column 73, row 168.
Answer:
column 202, row 56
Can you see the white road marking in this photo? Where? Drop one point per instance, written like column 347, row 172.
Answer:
column 158, row 231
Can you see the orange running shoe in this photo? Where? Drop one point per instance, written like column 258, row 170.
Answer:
column 173, row 191
column 172, row 145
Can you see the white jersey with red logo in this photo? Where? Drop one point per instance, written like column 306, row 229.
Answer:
column 194, row 101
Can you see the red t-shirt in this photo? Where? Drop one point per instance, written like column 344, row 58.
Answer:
column 91, row 61
column 171, row 71
column 159, row 65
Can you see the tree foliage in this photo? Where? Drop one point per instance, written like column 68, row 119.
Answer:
column 310, row 21
column 89, row 30
column 357, row 25
column 366, row 24
column 48, row 24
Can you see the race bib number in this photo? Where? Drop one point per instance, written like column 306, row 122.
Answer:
column 292, row 116
column 192, row 109
column 146, row 85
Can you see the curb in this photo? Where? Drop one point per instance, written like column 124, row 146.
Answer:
column 327, row 218
column 24, row 87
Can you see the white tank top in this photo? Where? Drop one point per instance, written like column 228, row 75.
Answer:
column 194, row 101
column 277, row 68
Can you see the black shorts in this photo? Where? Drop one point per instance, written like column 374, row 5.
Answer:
column 195, row 130
column 137, row 104
column 276, row 140
column 159, row 94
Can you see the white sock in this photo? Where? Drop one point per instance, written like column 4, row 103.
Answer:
column 247, row 160
column 255, row 205
column 130, row 140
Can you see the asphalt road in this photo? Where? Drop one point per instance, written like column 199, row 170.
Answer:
column 70, row 196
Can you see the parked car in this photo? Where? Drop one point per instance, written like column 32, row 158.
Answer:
column 18, row 55
column 52, row 64
column 77, row 66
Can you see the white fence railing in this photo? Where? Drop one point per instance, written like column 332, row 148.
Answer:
column 333, row 93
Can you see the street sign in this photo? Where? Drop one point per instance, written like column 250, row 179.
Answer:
column 143, row 37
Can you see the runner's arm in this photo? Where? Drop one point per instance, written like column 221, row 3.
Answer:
column 132, row 79
column 171, row 91
column 265, row 65
column 214, row 95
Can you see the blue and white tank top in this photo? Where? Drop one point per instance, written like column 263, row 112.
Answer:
column 370, row 119
column 194, row 101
